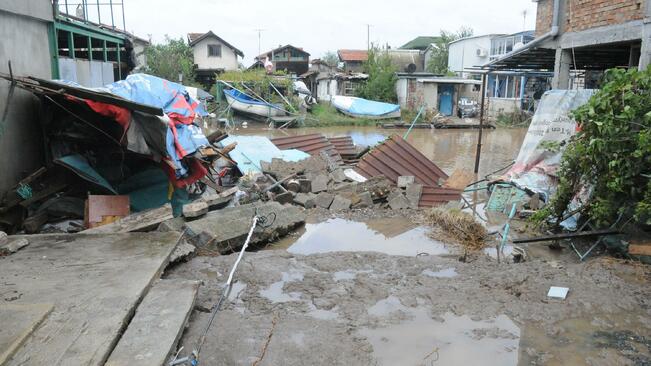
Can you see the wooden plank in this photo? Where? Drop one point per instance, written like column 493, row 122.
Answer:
column 135, row 222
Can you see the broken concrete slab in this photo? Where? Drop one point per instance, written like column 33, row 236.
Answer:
column 307, row 200
column 216, row 201
column 320, row 183
column 225, row 230
column 195, row 209
column 340, row 203
column 399, row 202
column 338, row 175
column 18, row 322
column 285, row 197
column 95, row 283
column 135, row 222
column 405, row 180
column 13, row 246
column 182, row 252
column 175, row 224
column 413, row 193
column 324, row 199
column 157, row 326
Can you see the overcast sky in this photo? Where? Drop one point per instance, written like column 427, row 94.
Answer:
column 321, row 26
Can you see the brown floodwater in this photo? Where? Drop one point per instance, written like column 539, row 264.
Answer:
column 449, row 149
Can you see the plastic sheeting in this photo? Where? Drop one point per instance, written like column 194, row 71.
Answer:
column 536, row 166
column 361, row 106
column 250, row 150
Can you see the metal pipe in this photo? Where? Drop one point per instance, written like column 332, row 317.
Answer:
column 555, row 18
column 481, row 121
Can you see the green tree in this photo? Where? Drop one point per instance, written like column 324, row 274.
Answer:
column 330, row 58
column 169, row 59
column 438, row 63
column 381, row 83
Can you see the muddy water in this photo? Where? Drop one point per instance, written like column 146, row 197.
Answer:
column 389, row 236
column 449, row 149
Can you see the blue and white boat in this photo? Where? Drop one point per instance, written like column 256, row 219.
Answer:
column 245, row 103
column 363, row 108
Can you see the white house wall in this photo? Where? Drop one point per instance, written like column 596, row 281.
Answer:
column 463, row 54
column 228, row 61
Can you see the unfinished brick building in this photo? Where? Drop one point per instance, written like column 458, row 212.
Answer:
column 586, row 35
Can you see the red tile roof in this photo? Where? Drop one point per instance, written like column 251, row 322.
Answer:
column 353, row 55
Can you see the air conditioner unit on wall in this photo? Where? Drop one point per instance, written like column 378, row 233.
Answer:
column 481, row 52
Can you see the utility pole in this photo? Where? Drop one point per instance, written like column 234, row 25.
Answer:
column 368, row 37
column 259, row 37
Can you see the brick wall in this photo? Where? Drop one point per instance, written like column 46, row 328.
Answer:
column 585, row 14
column 544, row 16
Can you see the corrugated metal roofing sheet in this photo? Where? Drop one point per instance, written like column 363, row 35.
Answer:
column 346, row 148
column 312, row 144
column 396, row 157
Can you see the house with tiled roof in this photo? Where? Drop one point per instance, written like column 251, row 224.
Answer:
column 353, row 60
column 212, row 55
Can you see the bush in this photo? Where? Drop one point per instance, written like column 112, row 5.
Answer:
column 611, row 153
column 381, row 83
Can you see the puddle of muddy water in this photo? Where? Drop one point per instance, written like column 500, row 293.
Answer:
column 450, row 340
column 338, row 235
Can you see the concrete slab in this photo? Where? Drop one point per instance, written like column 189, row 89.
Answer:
column 340, row 203
column 154, row 331
column 95, row 283
column 324, row 199
column 18, row 322
column 226, row 229
column 320, row 183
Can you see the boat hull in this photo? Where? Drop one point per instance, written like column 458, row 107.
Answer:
column 255, row 109
column 362, row 108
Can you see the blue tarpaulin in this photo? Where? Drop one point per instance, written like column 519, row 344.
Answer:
column 364, row 107
column 250, row 150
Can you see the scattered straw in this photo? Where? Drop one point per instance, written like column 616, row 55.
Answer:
column 459, row 226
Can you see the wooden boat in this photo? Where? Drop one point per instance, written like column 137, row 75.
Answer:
column 363, row 108
column 247, row 104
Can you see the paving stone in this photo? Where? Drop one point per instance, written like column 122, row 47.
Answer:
column 307, row 200
column 405, row 180
column 365, row 200
column 413, row 193
column 340, row 203
column 320, row 183
column 324, row 199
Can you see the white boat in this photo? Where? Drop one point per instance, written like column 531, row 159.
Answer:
column 363, row 108
column 247, row 104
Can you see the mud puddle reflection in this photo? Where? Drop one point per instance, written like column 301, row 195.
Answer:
column 389, row 236
column 449, row 340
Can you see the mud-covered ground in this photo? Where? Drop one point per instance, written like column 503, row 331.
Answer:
column 364, row 308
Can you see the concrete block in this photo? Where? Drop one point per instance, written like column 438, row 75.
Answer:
column 195, row 209
column 365, row 200
column 395, row 192
column 285, row 197
column 320, row 183
column 307, row 200
column 324, row 199
column 182, row 251
column 216, row 201
column 405, row 180
column 305, row 185
column 399, row 202
column 413, row 193
column 338, row 175
column 340, row 203
column 175, row 224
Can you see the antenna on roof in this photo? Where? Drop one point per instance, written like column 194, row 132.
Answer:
column 259, row 37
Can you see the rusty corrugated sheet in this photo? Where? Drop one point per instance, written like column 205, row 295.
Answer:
column 396, row 157
column 312, row 144
column 346, row 148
